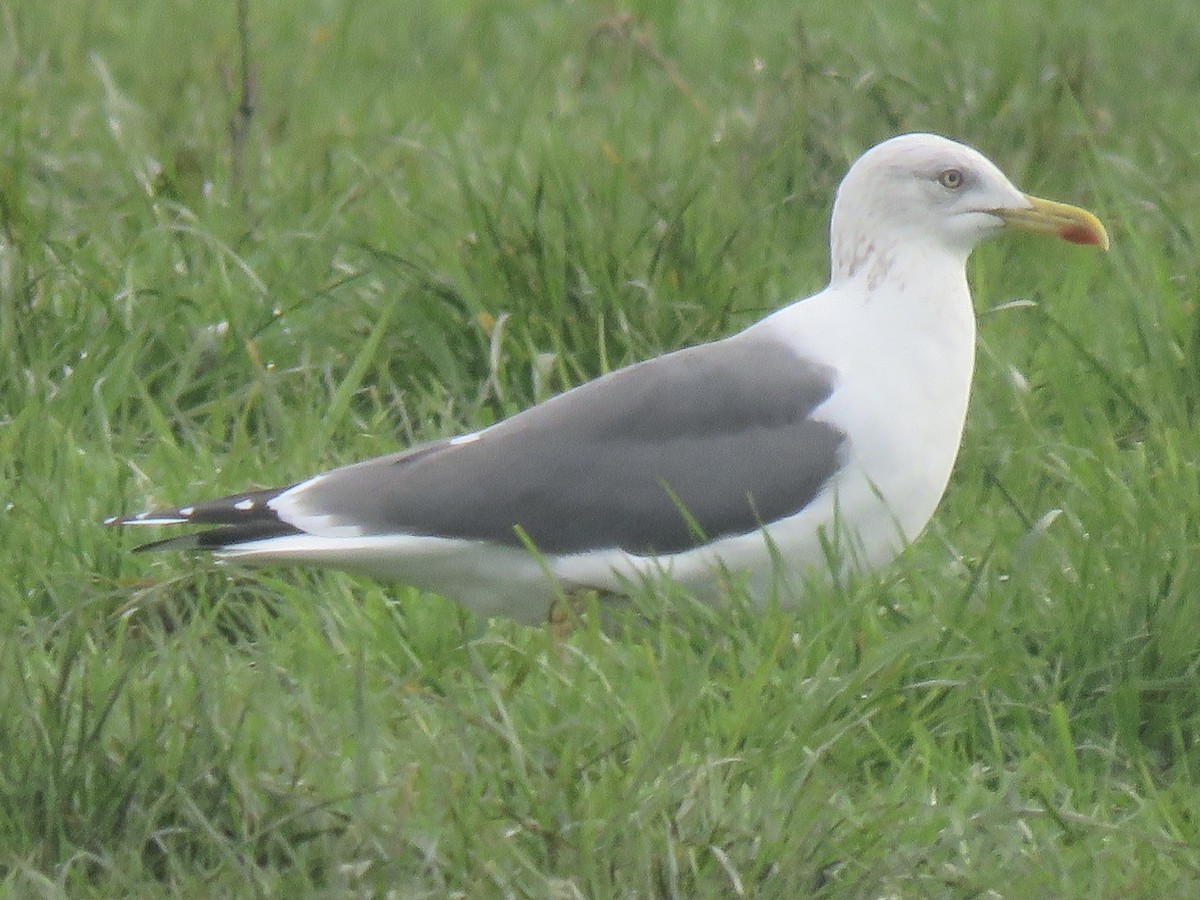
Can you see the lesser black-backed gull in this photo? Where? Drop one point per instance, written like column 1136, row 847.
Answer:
column 833, row 422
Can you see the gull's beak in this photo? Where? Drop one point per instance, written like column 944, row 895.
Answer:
column 1047, row 217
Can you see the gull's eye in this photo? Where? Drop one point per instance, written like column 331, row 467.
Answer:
column 952, row 179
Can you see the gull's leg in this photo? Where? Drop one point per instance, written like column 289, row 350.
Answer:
column 564, row 613
column 567, row 610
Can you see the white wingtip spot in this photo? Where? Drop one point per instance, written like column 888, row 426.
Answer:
column 244, row 505
column 146, row 519
column 187, row 511
column 111, row 520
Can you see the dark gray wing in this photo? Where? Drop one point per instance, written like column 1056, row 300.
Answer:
column 699, row 444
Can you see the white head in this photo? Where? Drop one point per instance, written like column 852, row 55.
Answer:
column 938, row 197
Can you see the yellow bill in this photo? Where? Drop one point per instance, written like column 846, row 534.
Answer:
column 1048, row 217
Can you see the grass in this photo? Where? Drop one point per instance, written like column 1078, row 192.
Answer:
column 451, row 211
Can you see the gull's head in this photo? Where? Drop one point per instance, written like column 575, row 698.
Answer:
column 935, row 196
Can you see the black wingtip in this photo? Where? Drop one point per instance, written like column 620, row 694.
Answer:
column 182, row 542
column 247, row 508
column 239, row 518
column 217, row 539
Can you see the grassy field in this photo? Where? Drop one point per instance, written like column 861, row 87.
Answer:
column 440, row 213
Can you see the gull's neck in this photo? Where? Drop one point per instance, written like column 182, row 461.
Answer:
column 928, row 281
column 904, row 300
column 882, row 255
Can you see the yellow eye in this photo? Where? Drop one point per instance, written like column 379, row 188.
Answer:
column 952, row 179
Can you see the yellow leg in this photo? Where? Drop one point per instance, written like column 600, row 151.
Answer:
column 560, row 620
column 564, row 613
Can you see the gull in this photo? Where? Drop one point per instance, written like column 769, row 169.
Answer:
column 820, row 438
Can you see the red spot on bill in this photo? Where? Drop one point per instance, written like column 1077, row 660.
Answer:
column 1077, row 234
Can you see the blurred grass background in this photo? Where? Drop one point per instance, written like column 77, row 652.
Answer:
column 444, row 212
